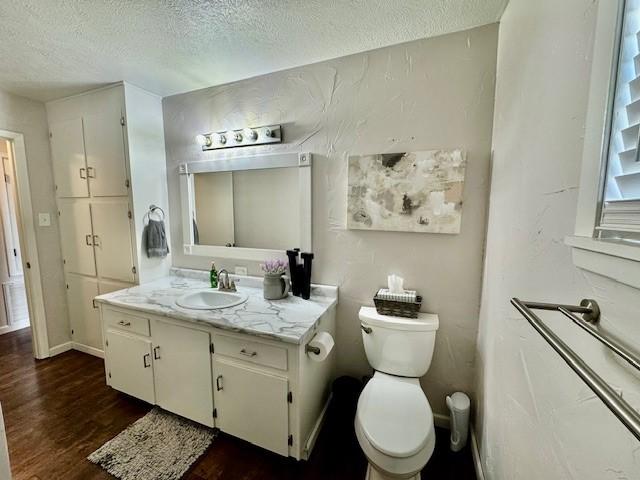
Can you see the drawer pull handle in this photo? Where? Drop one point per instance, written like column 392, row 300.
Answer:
column 144, row 360
column 96, row 241
column 366, row 330
column 91, row 172
column 248, row 354
column 219, row 383
column 83, row 173
column 124, row 324
column 87, row 238
column 156, row 354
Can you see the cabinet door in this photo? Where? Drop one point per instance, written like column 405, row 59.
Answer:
column 108, row 286
column 251, row 405
column 129, row 365
column 112, row 240
column 69, row 165
column 104, row 144
column 76, row 237
column 182, row 370
column 83, row 313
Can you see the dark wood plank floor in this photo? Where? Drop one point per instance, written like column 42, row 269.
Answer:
column 57, row 411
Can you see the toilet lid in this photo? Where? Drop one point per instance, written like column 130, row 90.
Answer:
column 394, row 415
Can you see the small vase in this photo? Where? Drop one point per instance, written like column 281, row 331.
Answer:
column 275, row 286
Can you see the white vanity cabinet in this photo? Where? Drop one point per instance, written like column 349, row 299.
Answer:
column 182, row 371
column 160, row 363
column 130, row 368
column 262, row 390
column 251, row 394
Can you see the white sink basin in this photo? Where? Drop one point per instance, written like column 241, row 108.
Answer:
column 210, row 300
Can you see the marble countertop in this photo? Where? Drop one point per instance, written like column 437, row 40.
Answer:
column 290, row 319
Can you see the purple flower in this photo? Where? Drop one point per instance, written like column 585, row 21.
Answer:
column 274, row 267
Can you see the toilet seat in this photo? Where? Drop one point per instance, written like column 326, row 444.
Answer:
column 394, row 424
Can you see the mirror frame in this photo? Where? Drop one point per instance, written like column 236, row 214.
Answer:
column 302, row 161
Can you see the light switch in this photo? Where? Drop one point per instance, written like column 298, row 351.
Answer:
column 44, row 219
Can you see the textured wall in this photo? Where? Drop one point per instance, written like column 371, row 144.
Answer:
column 537, row 420
column 427, row 94
column 28, row 117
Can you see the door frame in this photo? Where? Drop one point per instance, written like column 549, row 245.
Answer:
column 29, row 246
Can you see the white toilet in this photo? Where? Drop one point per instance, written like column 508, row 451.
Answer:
column 394, row 422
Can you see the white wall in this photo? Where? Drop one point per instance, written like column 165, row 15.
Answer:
column 432, row 93
column 28, row 117
column 536, row 419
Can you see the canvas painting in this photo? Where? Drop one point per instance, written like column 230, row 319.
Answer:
column 407, row 192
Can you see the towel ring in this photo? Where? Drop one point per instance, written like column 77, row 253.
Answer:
column 153, row 209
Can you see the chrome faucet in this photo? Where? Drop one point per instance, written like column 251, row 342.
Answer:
column 224, row 285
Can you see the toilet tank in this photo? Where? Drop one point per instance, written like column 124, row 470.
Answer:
column 396, row 345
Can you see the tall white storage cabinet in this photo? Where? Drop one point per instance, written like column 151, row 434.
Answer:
column 107, row 148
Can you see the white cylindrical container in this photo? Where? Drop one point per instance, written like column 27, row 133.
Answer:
column 459, row 406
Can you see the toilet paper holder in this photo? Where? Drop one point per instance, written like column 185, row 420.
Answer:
column 311, row 349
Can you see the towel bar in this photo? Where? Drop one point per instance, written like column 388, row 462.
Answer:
column 589, row 308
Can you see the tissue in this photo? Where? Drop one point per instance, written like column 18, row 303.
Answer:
column 395, row 284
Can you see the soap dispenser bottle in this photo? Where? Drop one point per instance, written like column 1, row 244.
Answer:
column 213, row 276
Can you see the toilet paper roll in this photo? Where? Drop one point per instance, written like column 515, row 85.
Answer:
column 324, row 342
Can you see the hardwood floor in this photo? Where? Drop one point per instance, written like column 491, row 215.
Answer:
column 57, row 411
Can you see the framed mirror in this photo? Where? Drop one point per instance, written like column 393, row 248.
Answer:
column 247, row 208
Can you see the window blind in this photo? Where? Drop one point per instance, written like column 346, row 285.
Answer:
column 621, row 202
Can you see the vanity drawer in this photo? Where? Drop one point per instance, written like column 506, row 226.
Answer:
column 126, row 322
column 254, row 352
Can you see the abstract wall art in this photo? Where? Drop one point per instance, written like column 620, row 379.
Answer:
column 407, row 192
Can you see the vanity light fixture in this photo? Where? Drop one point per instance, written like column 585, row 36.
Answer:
column 240, row 138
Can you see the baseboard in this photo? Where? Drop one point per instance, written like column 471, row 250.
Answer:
column 442, row 421
column 13, row 328
column 311, row 441
column 58, row 349
column 87, row 349
column 65, row 347
column 475, row 453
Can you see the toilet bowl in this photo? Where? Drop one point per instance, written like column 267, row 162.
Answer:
column 394, row 427
column 394, row 421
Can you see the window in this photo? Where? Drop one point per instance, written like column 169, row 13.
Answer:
column 620, row 213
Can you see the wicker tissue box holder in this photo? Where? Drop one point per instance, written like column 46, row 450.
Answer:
column 396, row 308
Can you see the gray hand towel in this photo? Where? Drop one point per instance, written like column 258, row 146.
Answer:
column 155, row 239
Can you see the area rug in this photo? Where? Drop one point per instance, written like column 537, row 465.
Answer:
column 159, row 446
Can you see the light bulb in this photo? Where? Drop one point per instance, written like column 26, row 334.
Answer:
column 251, row 134
column 222, row 139
column 203, row 140
column 238, row 136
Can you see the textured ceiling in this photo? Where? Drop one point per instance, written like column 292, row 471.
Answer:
column 50, row 49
